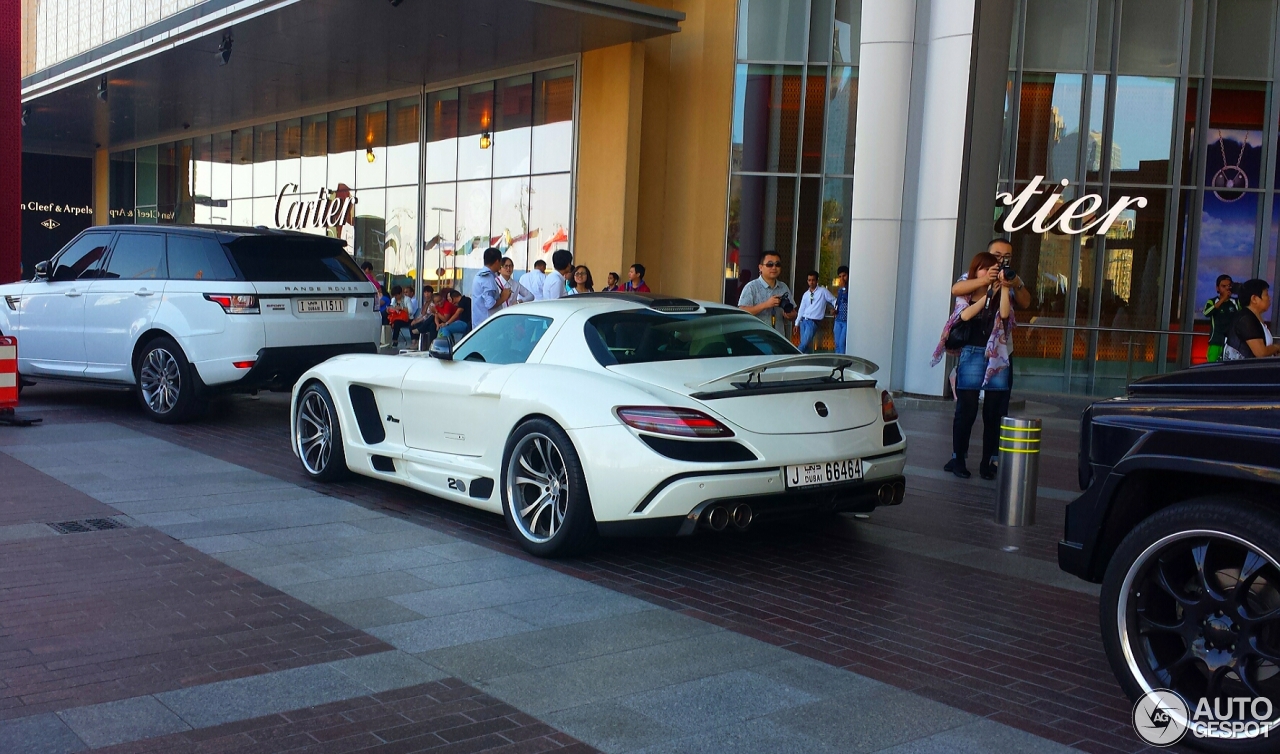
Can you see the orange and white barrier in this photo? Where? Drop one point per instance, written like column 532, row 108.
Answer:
column 8, row 372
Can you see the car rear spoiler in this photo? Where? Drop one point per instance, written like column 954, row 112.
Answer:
column 755, row 385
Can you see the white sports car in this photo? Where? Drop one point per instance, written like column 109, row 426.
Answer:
column 610, row 414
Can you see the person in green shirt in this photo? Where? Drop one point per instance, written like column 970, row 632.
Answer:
column 1221, row 312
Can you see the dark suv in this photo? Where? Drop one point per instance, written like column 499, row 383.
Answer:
column 1180, row 523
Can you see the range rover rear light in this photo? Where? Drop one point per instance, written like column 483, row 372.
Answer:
column 887, row 408
column 244, row 364
column 677, row 422
column 236, row 304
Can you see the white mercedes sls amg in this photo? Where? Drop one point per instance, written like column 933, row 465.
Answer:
column 610, row 414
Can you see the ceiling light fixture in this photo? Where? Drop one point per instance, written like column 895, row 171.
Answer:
column 396, row 3
column 26, row 113
column 102, row 89
column 224, row 49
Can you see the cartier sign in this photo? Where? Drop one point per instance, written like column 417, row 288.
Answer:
column 321, row 212
column 1082, row 215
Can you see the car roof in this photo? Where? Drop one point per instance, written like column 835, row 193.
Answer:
column 222, row 231
column 622, row 302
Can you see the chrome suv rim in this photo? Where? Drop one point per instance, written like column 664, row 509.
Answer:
column 161, row 381
column 314, row 432
column 537, row 487
column 1199, row 614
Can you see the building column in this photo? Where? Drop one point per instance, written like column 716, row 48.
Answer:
column 879, row 177
column 101, row 187
column 11, row 140
column 942, row 149
column 609, row 119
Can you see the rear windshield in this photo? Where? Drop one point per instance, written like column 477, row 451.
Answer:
column 640, row 336
column 267, row 259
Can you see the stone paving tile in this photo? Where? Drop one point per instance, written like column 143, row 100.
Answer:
column 450, row 630
column 244, row 698
column 38, row 734
column 716, row 701
column 371, row 613
column 133, row 719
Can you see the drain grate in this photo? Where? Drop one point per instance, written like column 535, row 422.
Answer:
column 86, row 525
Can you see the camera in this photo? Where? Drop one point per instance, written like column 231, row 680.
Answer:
column 784, row 303
column 1006, row 270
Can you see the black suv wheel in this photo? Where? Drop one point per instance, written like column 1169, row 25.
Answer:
column 1191, row 603
column 166, row 383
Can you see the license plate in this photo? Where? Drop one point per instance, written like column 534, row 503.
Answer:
column 828, row 472
column 321, row 305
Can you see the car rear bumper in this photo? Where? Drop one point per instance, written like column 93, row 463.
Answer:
column 857, row 497
column 279, row 367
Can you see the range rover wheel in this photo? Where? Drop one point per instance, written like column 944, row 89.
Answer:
column 1191, row 603
column 317, row 435
column 544, row 492
column 166, row 384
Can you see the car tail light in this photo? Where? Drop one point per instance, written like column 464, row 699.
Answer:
column 244, row 364
column 680, row 422
column 236, row 304
column 887, row 408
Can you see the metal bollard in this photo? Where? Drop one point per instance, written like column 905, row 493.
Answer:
column 1019, row 471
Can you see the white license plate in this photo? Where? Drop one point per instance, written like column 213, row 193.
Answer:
column 321, row 305
column 829, row 472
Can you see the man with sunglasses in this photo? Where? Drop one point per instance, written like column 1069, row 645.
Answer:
column 764, row 296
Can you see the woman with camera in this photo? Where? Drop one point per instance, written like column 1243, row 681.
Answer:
column 980, row 333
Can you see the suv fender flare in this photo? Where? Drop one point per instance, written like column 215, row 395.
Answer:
column 150, row 334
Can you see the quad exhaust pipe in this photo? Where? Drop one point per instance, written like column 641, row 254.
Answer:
column 721, row 517
column 891, row 494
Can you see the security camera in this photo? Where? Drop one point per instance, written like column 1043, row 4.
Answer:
column 102, row 89
column 396, row 3
column 224, row 49
column 26, row 113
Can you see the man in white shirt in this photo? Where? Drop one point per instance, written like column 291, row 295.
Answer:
column 519, row 293
column 554, row 286
column 534, row 279
column 813, row 308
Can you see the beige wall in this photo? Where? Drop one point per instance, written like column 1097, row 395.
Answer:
column 680, row 180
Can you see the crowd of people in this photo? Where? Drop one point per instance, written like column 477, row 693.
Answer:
column 450, row 313
column 769, row 299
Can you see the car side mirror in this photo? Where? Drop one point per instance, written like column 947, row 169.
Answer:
column 442, row 349
column 42, row 271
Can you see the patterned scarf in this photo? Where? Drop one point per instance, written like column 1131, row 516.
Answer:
column 999, row 345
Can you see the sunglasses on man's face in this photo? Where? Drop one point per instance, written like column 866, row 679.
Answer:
column 771, row 265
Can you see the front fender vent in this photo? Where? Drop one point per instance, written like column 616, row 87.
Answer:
column 365, row 406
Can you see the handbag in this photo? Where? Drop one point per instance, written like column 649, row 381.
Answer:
column 958, row 338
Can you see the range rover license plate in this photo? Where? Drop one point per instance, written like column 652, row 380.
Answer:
column 829, row 472
column 321, row 305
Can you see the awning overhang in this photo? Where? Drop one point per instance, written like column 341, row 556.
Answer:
column 289, row 56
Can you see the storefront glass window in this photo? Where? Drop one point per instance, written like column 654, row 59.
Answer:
column 1150, row 37
column 262, row 175
column 793, row 133
column 1057, row 31
column 774, row 29
column 1144, row 136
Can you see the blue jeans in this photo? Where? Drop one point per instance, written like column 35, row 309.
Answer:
column 808, row 328
column 841, row 333
column 455, row 329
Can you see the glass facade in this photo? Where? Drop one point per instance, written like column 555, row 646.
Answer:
column 66, row 28
column 449, row 172
column 1169, row 100
column 794, row 112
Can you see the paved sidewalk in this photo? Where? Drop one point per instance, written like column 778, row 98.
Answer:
column 613, row 671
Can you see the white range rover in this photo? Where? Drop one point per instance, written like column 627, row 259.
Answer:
column 183, row 312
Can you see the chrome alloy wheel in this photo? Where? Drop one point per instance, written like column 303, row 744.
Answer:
column 537, row 487
column 161, row 380
column 313, row 432
column 1199, row 614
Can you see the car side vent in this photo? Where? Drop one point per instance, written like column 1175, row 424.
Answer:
column 892, row 435
column 481, row 488
column 383, row 463
column 365, row 407
column 674, row 305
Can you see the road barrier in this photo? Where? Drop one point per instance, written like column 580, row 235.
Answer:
column 8, row 373
column 1019, row 471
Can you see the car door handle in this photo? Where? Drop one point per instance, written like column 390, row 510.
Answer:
column 144, row 292
column 73, row 293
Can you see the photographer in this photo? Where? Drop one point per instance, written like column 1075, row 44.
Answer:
column 980, row 333
column 1002, row 250
column 769, row 298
